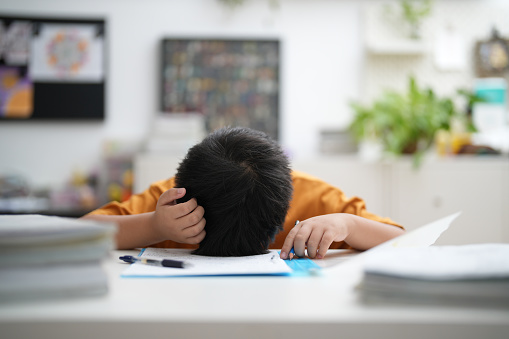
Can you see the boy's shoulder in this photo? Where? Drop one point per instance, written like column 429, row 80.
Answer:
column 302, row 177
column 163, row 185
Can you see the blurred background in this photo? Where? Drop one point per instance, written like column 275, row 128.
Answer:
column 403, row 103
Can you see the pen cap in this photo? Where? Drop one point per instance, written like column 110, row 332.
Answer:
column 172, row 263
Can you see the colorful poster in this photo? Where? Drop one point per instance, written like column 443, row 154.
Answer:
column 15, row 40
column 67, row 53
column 230, row 82
column 16, row 93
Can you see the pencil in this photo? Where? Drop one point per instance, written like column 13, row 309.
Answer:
column 291, row 254
column 292, row 251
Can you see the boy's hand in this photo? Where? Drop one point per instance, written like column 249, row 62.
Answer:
column 183, row 223
column 317, row 234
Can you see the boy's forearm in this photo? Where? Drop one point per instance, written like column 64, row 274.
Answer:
column 365, row 233
column 132, row 231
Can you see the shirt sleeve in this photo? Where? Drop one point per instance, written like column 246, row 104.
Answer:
column 357, row 206
column 143, row 202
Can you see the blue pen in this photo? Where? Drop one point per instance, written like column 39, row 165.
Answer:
column 154, row 262
column 292, row 251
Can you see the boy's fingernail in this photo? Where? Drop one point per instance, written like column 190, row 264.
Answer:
column 284, row 255
column 180, row 190
column 318, row 256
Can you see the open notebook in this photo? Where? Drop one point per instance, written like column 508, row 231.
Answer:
column 199, row 265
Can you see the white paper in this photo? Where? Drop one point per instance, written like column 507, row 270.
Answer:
column 264, row 264
column 408, row 270
column 424, row 236
column 450, row 51
column 476, row 261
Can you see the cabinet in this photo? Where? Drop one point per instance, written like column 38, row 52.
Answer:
column 396, row 48
column 477, row 186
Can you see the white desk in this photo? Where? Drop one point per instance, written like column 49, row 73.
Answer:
column 243, row 307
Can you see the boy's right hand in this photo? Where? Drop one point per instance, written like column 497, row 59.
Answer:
column 183, row 223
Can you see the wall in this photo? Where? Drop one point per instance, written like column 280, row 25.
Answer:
column 323, row 68
column 471, row 20
column 321, row 72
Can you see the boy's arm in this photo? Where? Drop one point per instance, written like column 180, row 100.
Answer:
column 182, row 223
column 132, row 230
column 318, row 233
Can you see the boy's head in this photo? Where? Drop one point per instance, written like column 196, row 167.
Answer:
column 242, row 179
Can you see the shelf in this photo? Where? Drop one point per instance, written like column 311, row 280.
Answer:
column 402, row 48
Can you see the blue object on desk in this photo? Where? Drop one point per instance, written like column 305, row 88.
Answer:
column 303, row 266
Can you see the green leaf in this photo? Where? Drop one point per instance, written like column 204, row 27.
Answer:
column 400, row 120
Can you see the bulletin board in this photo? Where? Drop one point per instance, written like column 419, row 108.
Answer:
column 232, row 82
column 52, row 68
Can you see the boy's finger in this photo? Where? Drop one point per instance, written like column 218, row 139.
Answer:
column 183, row 209
column 194, row 217
column 196, row 239
column 195, row 230
column 168, row 197
column 288, row 244
column 301, row 239
column 325, row 243
column 314, row 241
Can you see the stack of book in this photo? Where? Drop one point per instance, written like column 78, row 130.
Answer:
column 49, row 257
column 472, row 275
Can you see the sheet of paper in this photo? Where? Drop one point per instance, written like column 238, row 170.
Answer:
column 450, row 51
column 476, row 261
column 264, row 264
column 424, row 236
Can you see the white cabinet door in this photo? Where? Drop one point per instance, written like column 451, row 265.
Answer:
column 476, row 187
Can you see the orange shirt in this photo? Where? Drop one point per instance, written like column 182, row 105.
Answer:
column 311, row 197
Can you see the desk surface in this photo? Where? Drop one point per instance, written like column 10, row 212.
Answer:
column 247, row 307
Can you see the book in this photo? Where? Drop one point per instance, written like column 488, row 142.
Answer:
column 476, row 274
column 49, row 257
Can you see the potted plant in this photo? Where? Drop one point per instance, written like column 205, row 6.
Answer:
column 404, row 123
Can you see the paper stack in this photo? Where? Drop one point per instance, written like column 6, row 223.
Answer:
column 50, row 257
column 474, row 275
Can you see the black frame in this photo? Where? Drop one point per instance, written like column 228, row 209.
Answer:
column 230, row 81
column 64, row 101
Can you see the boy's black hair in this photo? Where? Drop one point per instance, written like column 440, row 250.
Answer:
column 242, row 179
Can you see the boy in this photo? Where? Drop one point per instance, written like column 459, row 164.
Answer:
column 232, row 194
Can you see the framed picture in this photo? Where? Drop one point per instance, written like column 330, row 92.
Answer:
column 52, row 68
column 231, row 82
column 492, row 56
